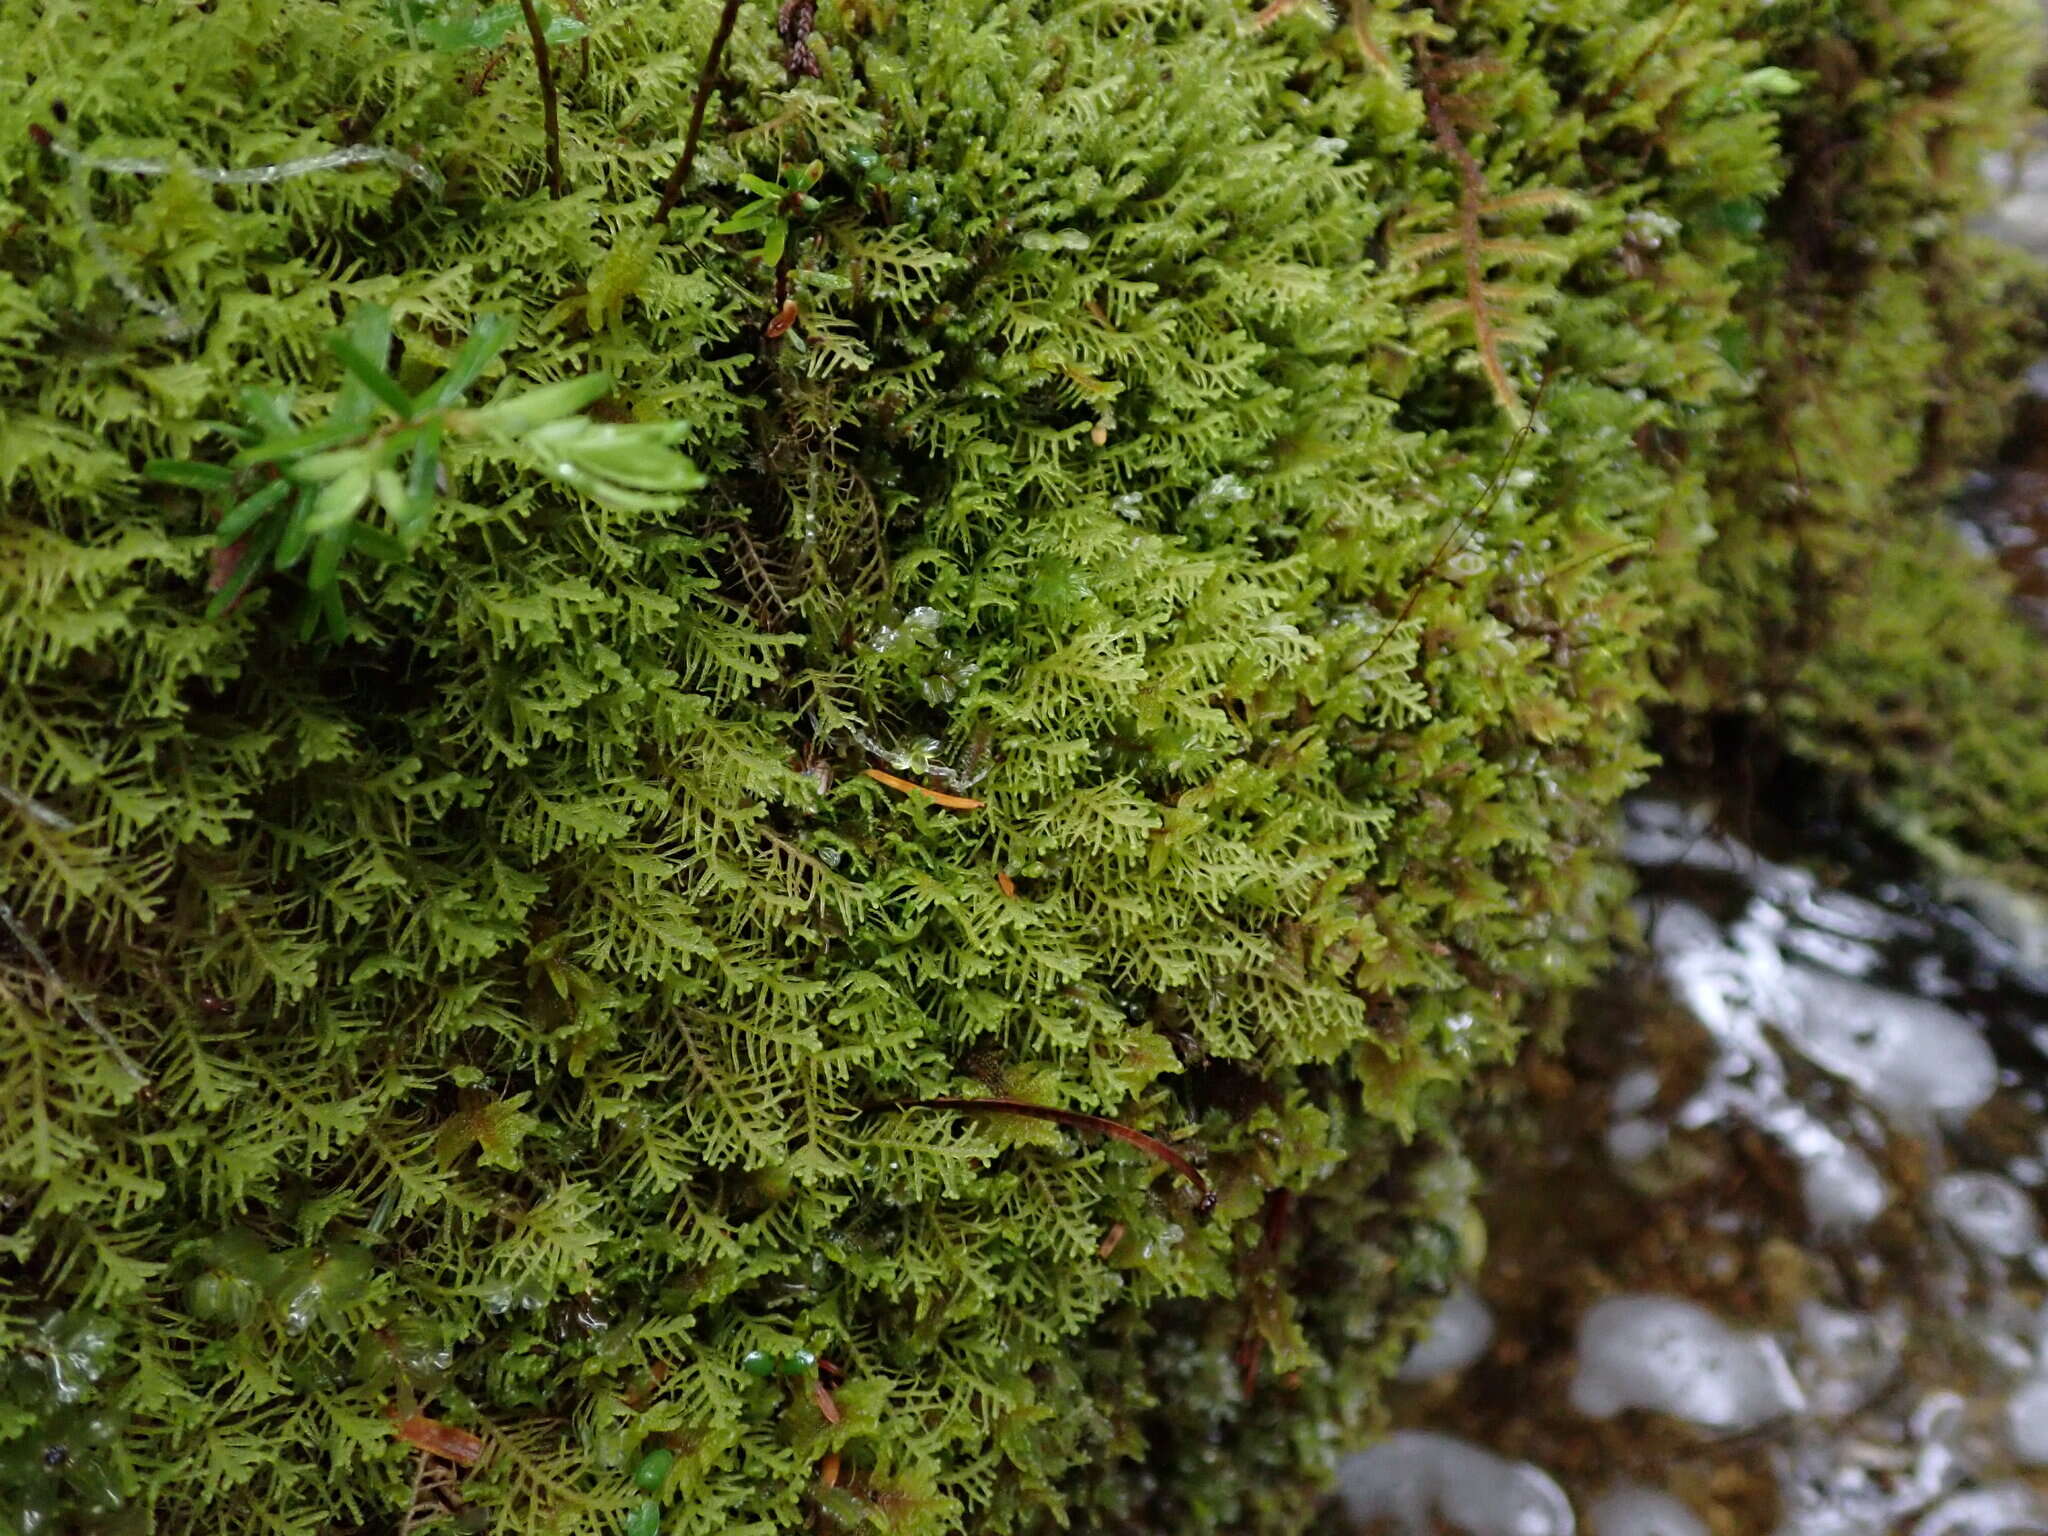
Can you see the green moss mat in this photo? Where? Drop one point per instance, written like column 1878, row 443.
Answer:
column 448, row 1063
column 1853, row 620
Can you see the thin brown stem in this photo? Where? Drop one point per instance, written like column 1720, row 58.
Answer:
column 674, row 187
column 1361, row 29
column 1471, row 197
column 550, row 108
column 1075, row 1119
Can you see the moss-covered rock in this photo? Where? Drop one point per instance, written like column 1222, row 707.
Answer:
column 1192, row 498
column 1850, row 617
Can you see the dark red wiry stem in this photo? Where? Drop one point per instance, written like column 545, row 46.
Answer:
column 550, row 108
column 674, row 187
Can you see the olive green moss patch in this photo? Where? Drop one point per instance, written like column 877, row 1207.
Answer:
column 1191, row 500
column 1848, row 615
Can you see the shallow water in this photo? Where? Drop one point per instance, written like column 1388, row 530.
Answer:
column 1770, row 1261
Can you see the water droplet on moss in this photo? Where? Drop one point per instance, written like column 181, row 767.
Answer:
column 582, row 1316
column 500, row 1296
column 70, row 1351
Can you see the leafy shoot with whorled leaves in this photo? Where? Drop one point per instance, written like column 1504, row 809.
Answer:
column 770, row 210
column 312, row 494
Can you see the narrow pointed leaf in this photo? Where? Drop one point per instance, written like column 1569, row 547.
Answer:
column 326, row 562
column 244, row 514
column 341, row 500
column 551, row 402
column 319, row 468
column 255, row 558
column 390, row 488
column 376, row 543
column 291, row 545
column 420, row 481
column 369, row 373
column 198, row 477
column 753, row 216
column 269, row 409
column 492, row 334
column 368, row 334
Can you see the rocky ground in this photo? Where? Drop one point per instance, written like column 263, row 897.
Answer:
column 1766, row 1255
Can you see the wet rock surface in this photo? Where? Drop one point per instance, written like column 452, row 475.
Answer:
column 1766, row 1259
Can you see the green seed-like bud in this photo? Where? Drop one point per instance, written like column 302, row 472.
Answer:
column 653, row 1470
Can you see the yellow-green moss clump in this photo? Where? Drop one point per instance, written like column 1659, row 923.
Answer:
column 463, row 1055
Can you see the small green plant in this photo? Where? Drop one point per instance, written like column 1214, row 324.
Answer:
column 770, row 210
column 295, row 493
